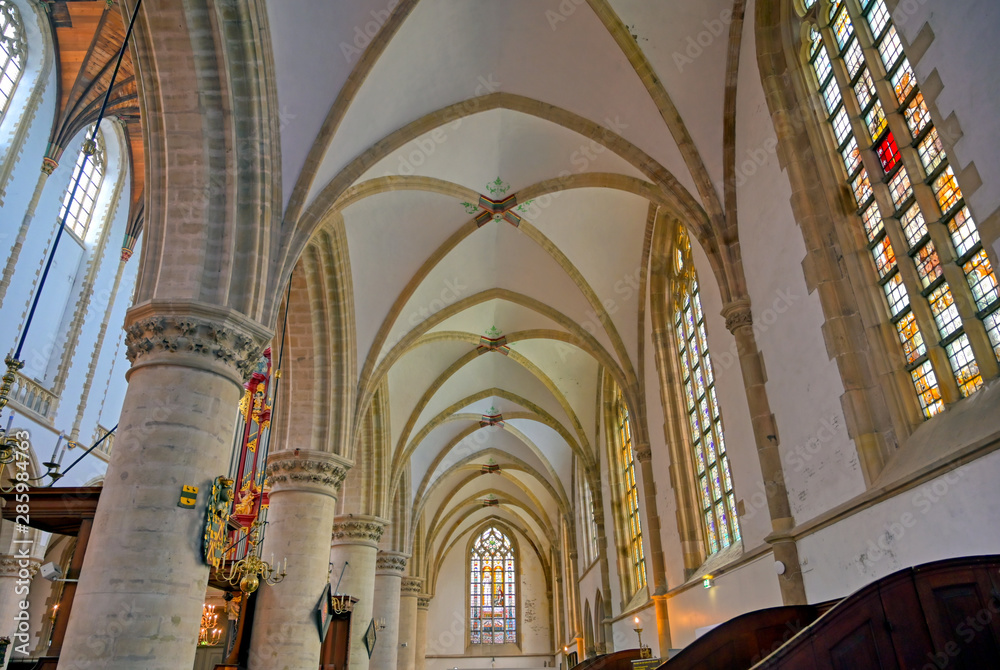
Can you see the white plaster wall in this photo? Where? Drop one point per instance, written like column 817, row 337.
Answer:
column 447, row 618
column 950, row 516
column 750, row 587
column 804, row 385
column 966, row 55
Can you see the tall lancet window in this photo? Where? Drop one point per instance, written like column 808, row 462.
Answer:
column 715, row 482
column 492, row 589
column 630, row 495
column 13, row 50
column 939, row 287
column 81, row 205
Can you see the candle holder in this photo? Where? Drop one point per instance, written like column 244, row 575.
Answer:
column 644, row 652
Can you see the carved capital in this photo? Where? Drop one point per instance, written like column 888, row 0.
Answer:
column 737, row 315
column 423, row 602
column 643, row 453
column 391, row 563
column 195, row 335
column 358, row 529
column 306, row 470
column 411, row 587
column 20, row 567
column 48, row 165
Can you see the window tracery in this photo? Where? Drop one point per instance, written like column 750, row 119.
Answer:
column 80, row 205
column 492, row 589
column 922, row 211
column 629, row 495
column 13, row 50
column 717, row 500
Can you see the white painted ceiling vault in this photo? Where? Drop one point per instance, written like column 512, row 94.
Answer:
column 365, row 146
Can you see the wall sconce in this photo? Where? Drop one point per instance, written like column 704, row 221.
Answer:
column 380, row 624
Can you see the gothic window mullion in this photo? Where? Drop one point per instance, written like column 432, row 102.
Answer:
column 13, row 50
column 880, row 199
column 967, row 344
column 713, row 478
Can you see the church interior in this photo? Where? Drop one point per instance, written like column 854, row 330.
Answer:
column 466, row 334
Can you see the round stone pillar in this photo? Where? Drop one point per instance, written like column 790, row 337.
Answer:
column 142, row 584
column 420, row 653
column 304, row 486
column 389, row 567
column 355, row 543
column 409, row 591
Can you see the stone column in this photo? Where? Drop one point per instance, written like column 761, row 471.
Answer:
column 143, row 580
column 409, row 591
column 304, row 486
column 739, row 321
column 644, row 455
column 389, row 567
column 355, row 542
column 420, row 653
column 15, row 571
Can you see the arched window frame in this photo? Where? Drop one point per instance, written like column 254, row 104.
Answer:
column 83, row 204
column 473, row 609
column 713, row 479
column 13, row 53
column 587, row 518
column 939, row 295
column 628, row 509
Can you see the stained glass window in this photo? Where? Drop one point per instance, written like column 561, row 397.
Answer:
column 590, row 522
column 715, row 482
column 12, row 52
column 867, row 56
column 91, row 176
column 492, row 589
column 630, row 496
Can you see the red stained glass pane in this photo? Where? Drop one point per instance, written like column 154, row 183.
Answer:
column 888, row 152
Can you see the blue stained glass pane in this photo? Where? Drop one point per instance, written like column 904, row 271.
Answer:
column 720, row 511
column 716, row 484
column 712, row 536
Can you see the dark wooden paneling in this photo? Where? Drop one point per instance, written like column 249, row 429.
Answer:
column 941, row 615
column 744, row 640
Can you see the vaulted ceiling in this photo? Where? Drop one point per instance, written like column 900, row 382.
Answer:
column 406, row 126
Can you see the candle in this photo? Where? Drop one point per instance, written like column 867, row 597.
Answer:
column 56, row 450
